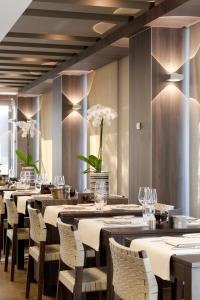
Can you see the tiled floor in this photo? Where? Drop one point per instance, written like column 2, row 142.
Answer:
column 16, row 290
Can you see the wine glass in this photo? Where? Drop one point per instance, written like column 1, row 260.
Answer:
column 59, row 181
column 143, row 195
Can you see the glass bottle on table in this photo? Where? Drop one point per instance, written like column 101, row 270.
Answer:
column 100, row 195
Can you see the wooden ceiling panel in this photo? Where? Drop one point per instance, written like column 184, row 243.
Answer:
column 75, row 15
column 42, row 45
column 51, row 37
column 140, row 4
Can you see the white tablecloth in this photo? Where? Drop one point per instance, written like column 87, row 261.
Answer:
column 160, row 253
column 51, row 212
column 21, row 203
column 90, row 229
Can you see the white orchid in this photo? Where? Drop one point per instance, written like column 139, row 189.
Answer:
column 98, row 112
column 28, row 127
column 98, row 115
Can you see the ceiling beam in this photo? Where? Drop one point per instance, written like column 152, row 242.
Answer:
column 33, row 53
column 75, row 15
column 51, row 37
column 42, row 45
column 28, row 66
column 20, row 76
column 139, row 4
column 31, row 59
column 6, row 80
column 126, row 30
column 19, row 71
column 11, row 85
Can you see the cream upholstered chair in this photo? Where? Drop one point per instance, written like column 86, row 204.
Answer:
column 133, row 278
column 76, row 279
column 13, row 234
column 38, row 250
column 2, row 213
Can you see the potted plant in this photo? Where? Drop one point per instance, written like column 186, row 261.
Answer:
column 99, row 116
column 28, row 132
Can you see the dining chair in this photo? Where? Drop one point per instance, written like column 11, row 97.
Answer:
column 2, row 213
column 39, row 251
column 14, row 234
column 73, row 277
column 133, row 278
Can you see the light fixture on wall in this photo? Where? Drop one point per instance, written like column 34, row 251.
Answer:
column 76, row 106
column 175, row 77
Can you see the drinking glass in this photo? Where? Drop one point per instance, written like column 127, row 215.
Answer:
column 59, row 181
column 144, row 196
column 100, row 195
column 11, row 173
column 38, row 182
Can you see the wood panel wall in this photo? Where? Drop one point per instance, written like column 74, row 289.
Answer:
column 74, row 130
column 140, row 89
column 169, row 159
column 159, row 151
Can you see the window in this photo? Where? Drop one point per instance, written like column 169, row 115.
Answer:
column 4, row 138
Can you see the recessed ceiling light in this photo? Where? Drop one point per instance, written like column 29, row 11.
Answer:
column 126, row 11
column 35, row 73
column 50, row 63
column 76, row 72
column 123, row 42
column 102, row 27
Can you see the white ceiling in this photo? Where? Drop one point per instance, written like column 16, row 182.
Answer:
column 10, row 11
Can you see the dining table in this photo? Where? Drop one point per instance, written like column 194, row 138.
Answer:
column 123, row 234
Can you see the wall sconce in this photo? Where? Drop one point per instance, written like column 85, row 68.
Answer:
column 175, row 77
column 76, row 106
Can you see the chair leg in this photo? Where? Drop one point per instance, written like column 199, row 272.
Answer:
column 1, row 235
column 41, row 270
column 14, row 253
column 7, row 253
column 29, row 275
column 78, row 283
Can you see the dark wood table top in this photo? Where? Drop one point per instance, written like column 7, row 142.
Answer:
column 71, row 217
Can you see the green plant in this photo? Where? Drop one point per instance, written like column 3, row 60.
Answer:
column 27, row 161
column 98, row 115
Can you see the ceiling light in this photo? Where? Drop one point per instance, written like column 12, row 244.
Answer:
column 35, row 73
column 126, row 11
column 175, row 77
column 123, row 42
column 102, row 27
column 50, row 63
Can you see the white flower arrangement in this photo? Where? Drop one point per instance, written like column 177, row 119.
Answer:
column 28, row 132
column 28, row 127
column 98, row 112
column 98, row 115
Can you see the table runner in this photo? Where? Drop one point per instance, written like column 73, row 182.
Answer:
column 90, row 229
column 51, row 212
column 160, row 253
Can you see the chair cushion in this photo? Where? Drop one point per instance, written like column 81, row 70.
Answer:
column 52, row 252
column 22, row 233
column 94, row 279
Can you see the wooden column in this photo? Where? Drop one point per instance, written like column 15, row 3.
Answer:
column 74, row 129
column 57, row 128
column 140, row 147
